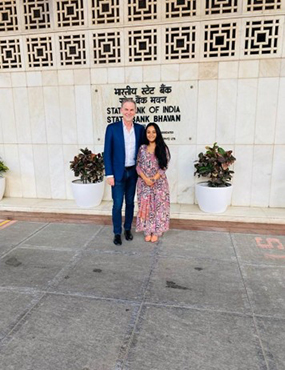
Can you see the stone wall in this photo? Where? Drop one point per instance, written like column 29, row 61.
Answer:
column 224, row 59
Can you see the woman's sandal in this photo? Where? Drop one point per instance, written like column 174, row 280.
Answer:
column 154, row 238
column 147, row 238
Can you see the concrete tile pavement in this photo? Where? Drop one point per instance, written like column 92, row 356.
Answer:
column 201, row 300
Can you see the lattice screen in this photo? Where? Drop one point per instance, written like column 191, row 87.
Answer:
column 142, row 45
column 37, row 14
column 180, row 42
column 72, row 50
column 261, row 37
column 70, row 13
column 39, row 51
column 263, row 5
column 180, row 8
column 10, row 53
column 142, row 10
column 8, row 16
column 220, row 40
column 105, row 11
column 63, row 33
column 221, row 6
column 107, row 47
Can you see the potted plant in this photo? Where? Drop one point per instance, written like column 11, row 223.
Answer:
column 215, row 194
column 3, row 169
column 89, row 189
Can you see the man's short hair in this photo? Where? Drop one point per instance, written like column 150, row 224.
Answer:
column 128, row 100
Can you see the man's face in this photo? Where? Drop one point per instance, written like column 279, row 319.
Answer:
column 128, row 111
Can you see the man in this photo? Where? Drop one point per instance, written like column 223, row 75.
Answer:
column 122, row 141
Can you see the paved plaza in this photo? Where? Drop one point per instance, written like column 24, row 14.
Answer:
column 201, row 300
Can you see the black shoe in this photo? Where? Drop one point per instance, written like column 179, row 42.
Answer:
column 128, row 235
column 117, row 239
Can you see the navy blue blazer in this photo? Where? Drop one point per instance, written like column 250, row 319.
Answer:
column 114, row 148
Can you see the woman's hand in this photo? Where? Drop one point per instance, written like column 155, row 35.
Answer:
column 156, row 177
column 149, row 181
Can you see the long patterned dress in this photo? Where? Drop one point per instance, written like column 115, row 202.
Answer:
column 153, row 201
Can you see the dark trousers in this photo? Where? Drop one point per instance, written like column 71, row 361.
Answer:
column 125, row 188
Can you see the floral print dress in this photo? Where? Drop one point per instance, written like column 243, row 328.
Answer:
column 153, row 201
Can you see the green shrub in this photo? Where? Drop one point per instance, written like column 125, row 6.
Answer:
column 3, row 168
column 214, row 164
column 88, row 166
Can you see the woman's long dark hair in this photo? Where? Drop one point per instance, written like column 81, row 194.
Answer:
column 162, row 152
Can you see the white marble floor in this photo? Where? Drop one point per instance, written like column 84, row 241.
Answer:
column 178, row 211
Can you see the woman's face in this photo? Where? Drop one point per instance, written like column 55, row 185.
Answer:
column 151, row 134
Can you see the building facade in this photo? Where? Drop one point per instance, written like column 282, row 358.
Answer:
column 207, row 71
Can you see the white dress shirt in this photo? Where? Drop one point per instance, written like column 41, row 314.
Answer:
column 130, row 146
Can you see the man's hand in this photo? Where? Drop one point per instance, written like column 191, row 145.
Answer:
column 110, row 181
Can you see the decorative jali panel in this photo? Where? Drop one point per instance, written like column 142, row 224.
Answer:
column 221, row 6
column 263, row 5
column 72, row 50
column 36, row 14
column 261, row 37
column 63, row 33
column 180, row 8
column 105, row 11
column 70, row 13
column 219, row 40
column 39, row 52
column 8, row 16
column 10, row 54
column 107, row 47
column 141, row 10
column 142, row 45
column 180, row 42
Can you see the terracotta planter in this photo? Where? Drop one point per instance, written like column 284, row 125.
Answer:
column 87, row 195
column 213, row 200
column 2, row 187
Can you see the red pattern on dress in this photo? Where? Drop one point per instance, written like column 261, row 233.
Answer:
column 153, row 201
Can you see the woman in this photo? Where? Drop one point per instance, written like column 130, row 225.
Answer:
column 152, row 186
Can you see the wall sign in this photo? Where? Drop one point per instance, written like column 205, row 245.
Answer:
column 170, row 105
